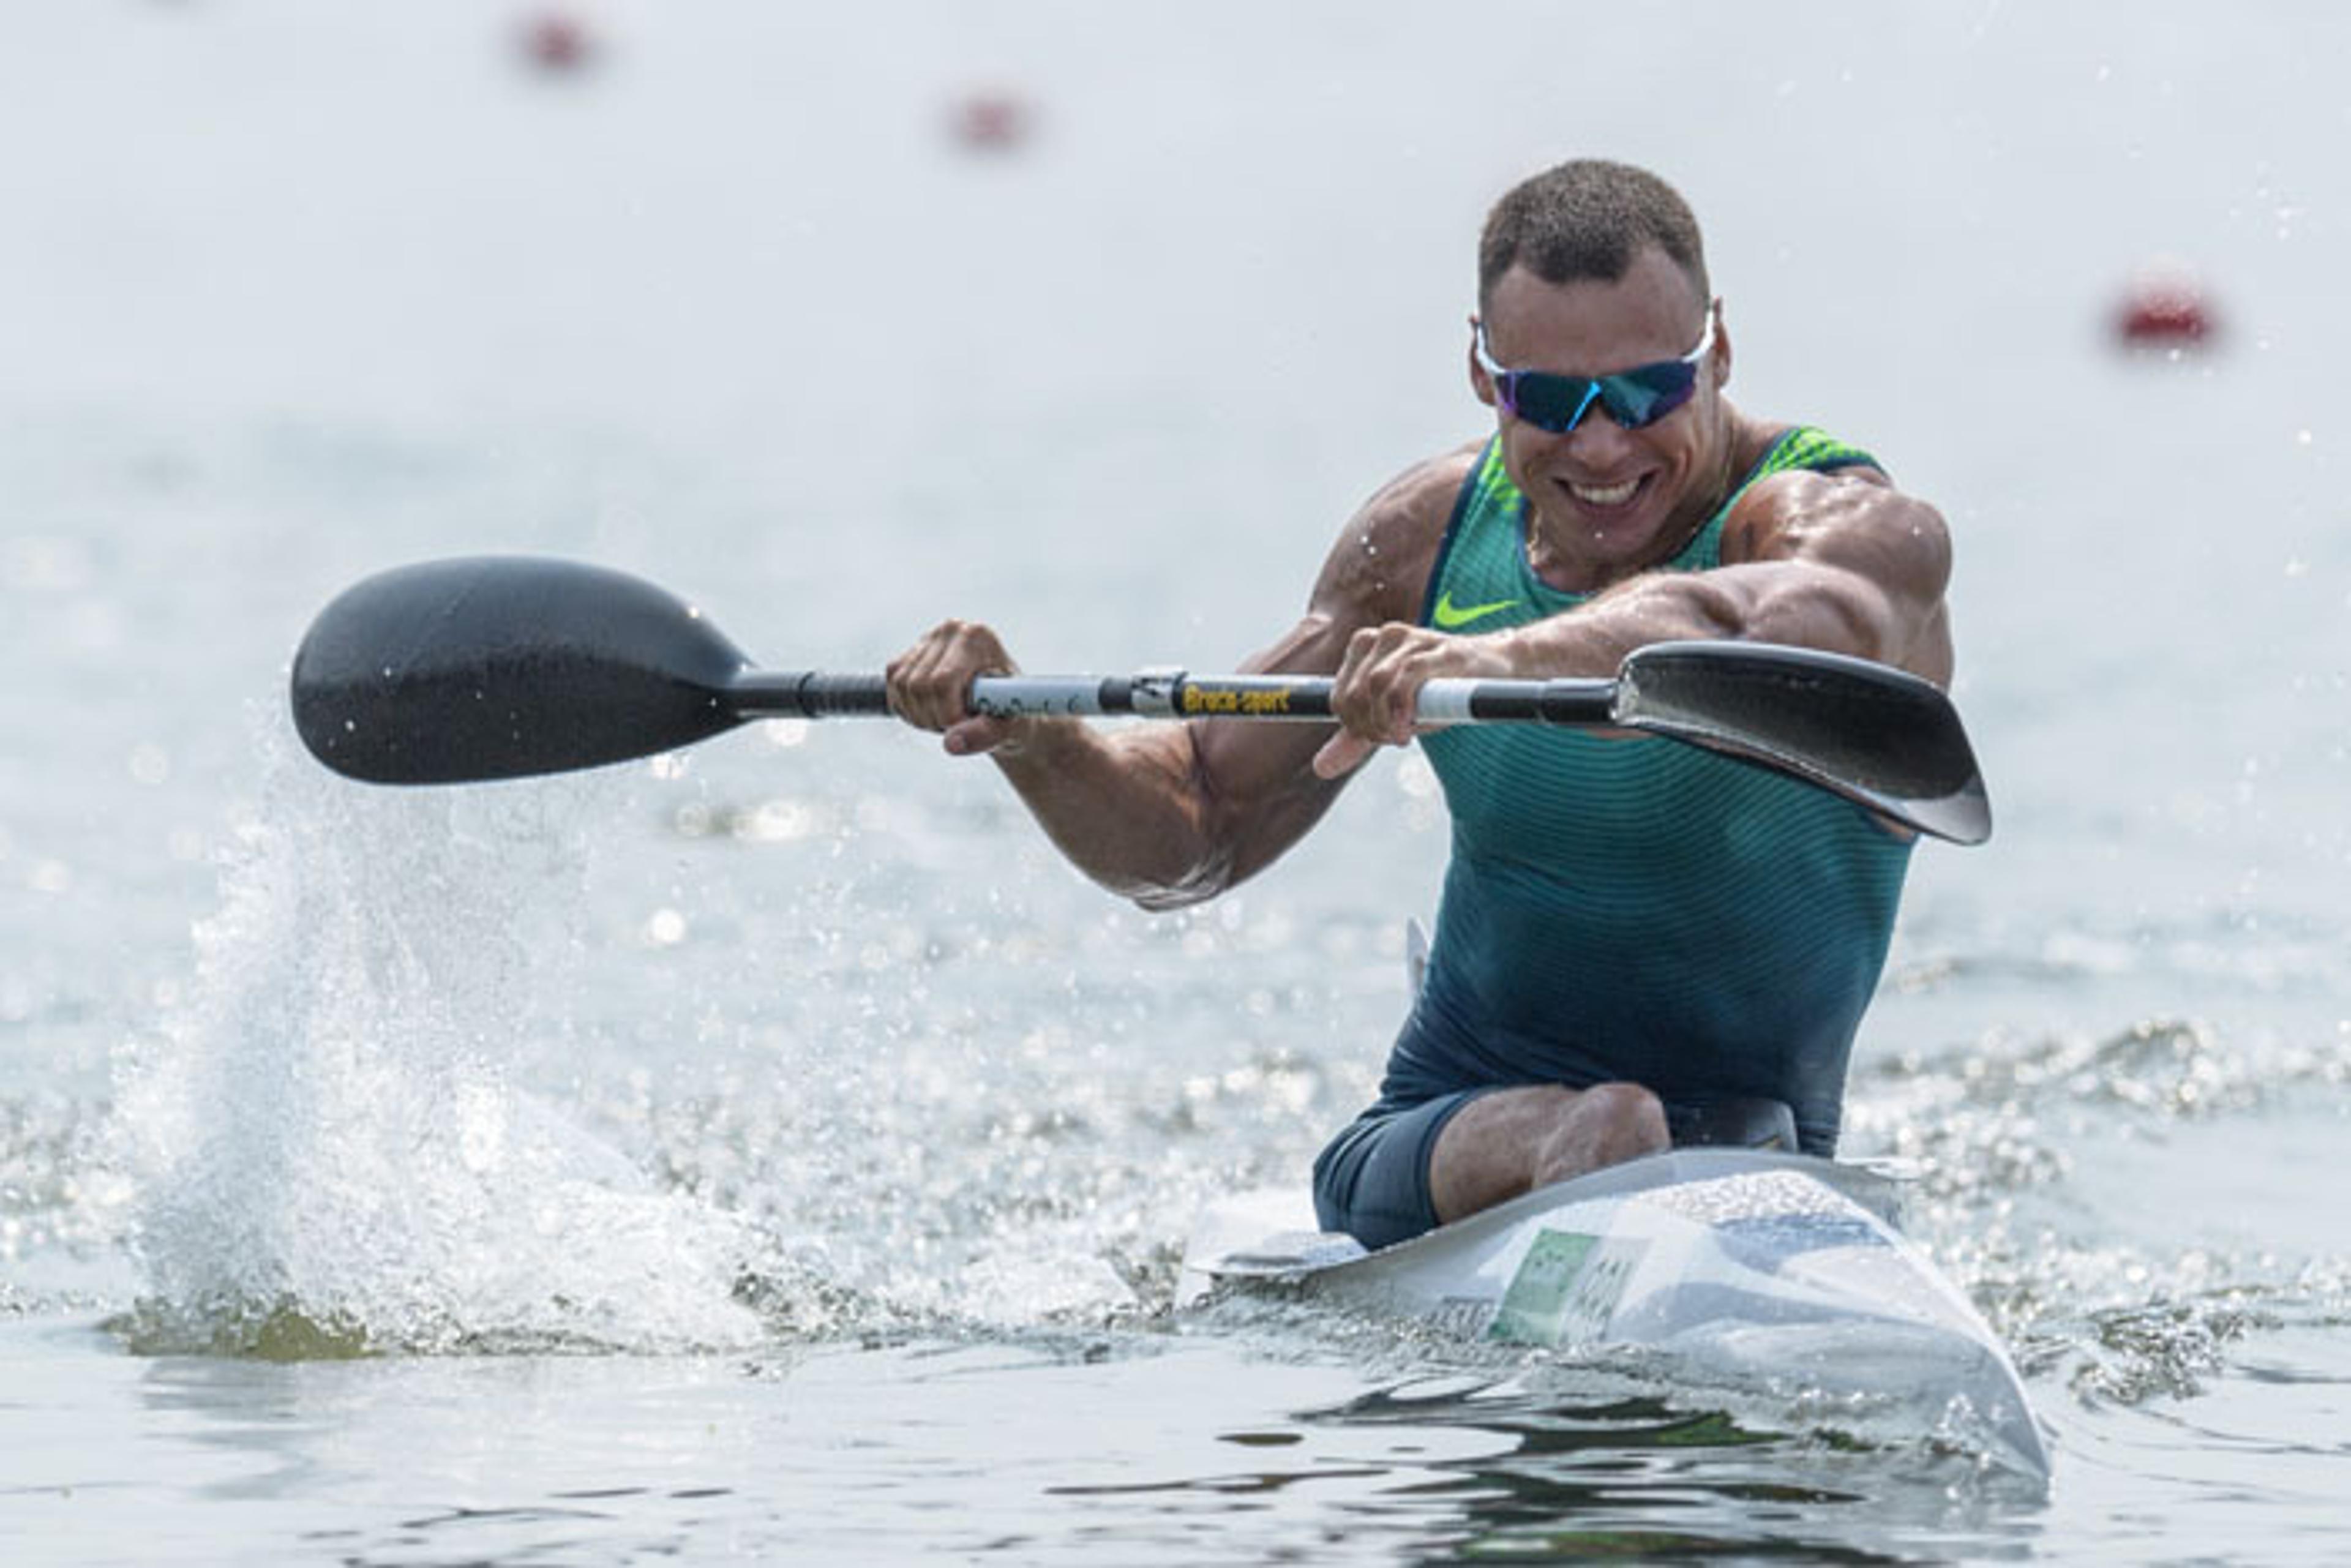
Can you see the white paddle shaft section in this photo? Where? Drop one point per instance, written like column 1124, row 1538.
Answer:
column 1020, row 697
column 1154, row 693
column 1173, row 694
column 1446, row 702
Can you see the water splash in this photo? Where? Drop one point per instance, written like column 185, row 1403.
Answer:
column 325, row 1146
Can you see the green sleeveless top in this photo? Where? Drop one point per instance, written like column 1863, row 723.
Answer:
column 1637, row 910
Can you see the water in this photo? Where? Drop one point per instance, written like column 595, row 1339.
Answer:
column 776, row 1152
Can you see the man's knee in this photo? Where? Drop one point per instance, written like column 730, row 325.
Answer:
column 1602, row 1126
column 1627, row 1114
column 1533, row 1135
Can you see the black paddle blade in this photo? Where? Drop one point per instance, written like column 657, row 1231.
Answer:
column 497, row 666
column 1876, row 736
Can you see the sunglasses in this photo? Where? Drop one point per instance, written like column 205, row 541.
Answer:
column 1640, row 396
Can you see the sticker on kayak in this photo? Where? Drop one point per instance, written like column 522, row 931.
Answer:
column 1765, row 1243
column 1566, row 1288
column 1463, row 1317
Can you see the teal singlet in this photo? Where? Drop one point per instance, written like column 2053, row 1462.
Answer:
column 1637, row 910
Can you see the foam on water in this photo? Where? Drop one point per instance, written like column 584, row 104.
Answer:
column 325, row 1146
column 403, row 1105
column 333, row 1140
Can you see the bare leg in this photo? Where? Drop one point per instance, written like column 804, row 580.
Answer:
column 1514, row 1140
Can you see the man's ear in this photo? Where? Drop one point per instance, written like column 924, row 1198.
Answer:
column 1479, row 382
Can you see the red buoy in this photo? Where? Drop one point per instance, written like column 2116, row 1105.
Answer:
column 992, row 121
column 554, row 41
column 2164, row 308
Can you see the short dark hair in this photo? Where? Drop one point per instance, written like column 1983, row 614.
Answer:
column 1587, row 219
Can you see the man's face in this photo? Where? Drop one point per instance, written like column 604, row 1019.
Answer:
column 1609, row 502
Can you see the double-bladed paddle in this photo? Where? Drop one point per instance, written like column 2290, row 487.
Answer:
column 499, row 666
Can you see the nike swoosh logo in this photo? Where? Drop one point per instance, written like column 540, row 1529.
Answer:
column 1453, row 617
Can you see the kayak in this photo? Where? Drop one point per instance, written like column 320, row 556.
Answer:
column 1731, row 1267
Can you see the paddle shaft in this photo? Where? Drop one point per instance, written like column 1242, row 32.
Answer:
column 501, row 667
column 1173, row 693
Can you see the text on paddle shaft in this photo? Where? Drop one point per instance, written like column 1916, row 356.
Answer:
column 1215, row 700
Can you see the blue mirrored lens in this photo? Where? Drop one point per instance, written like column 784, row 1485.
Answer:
column 1632, row 398
column 1556, row 403
column 1646, row 395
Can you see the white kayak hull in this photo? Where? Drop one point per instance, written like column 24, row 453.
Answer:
column 1740, row 1267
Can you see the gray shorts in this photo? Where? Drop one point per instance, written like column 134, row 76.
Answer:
column 1372, row 1180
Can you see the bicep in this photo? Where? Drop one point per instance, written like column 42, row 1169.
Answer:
column 1255, row 779
column 1252, row 782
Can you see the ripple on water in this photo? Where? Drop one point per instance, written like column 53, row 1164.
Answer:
column 2058, row 1173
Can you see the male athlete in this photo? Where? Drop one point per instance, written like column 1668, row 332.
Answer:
column 1633, row 932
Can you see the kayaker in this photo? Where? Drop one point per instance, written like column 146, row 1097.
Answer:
column 1631, row 931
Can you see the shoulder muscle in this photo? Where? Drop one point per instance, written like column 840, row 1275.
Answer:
column 1849, row 518
column 1378, row 568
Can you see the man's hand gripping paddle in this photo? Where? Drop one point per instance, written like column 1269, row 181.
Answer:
column 496, row 667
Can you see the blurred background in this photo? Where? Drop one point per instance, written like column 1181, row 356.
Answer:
column 1096, row 322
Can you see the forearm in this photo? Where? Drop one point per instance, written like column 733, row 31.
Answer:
column 1169, row 815
column 1802, row 603
column 1126, row 807
column 1841, row 562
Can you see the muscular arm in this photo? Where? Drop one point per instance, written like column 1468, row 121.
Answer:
column 1839, row 562
column 1169, row 814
